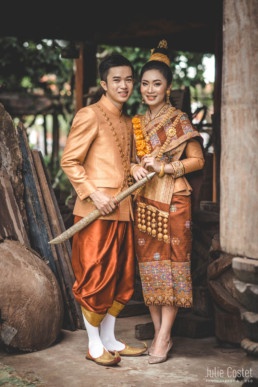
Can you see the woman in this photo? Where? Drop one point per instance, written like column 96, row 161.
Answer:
column 167, row 143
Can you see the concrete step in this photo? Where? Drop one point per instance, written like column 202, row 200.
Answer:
column 245, row 269
column 247, row 294
column 250, row 321
column 251, row 347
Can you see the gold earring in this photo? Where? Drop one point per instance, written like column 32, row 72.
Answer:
column 167, row 96
column 143, row 102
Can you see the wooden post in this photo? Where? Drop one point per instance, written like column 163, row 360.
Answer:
column 85, row 73
column 79, row 80
column 217, row 115
column 89, row 68
column 55, row 141
column 214, row 185
column 239, row 124
column 45, row 134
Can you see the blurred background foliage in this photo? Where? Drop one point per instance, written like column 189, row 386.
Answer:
column 37, row 67
column 25, row 63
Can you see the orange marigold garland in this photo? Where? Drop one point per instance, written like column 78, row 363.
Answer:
column 141, row 146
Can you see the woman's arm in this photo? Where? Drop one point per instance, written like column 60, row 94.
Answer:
column 194, row 161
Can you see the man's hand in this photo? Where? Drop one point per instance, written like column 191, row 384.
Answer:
column 103, row 202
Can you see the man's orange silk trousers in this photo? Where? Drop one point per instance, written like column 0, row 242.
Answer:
column 104, row 264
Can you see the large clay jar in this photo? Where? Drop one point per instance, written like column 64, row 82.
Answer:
column 31, row 304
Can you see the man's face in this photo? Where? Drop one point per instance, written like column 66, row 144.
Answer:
column 119, row 85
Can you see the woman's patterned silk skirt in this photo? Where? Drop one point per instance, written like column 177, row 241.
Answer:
column 163, row 241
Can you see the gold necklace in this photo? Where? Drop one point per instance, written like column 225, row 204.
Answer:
column 158, row 114
column 155, row 129
column 125, row 157
column 170, row 133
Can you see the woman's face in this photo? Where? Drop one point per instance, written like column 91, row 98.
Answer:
column 153, row 88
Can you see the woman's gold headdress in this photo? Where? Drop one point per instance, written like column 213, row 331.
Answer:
column 160, row 53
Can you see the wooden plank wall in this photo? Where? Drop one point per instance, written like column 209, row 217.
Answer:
column 45, row 223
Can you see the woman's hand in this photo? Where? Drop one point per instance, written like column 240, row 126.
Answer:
column 139, row 172
column 150, row 161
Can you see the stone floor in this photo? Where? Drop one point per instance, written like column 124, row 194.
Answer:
column 192, row 362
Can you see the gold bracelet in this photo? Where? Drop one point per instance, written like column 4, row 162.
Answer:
column 162, row 170
column 132, row 168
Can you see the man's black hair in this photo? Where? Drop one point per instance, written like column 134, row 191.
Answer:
column 113, row 60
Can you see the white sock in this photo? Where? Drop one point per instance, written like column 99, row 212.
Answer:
column 107, row 334
column 95, row 344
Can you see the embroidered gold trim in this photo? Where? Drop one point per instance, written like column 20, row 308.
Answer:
column 179, row 169
column 116, row 308
column 92, row 317
column 125, row 157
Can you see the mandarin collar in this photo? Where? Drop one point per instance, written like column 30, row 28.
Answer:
column 110, row 106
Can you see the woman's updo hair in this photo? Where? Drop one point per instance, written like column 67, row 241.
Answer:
column 160, row 61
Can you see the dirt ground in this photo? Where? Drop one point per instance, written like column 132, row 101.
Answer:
column 192, row 362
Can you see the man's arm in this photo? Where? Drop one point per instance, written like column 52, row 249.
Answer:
column 82, row 134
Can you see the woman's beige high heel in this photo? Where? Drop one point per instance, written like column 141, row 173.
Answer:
column 150, row 349
column 154, row 359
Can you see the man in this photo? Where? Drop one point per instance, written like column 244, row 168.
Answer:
column 96, row 160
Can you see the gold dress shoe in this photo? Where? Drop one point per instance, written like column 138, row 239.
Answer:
column 154, row 359
column 132, row 351
column 106, row 359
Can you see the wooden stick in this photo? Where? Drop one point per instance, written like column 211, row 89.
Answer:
column 96, row 213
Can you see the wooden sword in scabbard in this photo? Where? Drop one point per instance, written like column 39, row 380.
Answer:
column 96, row 213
